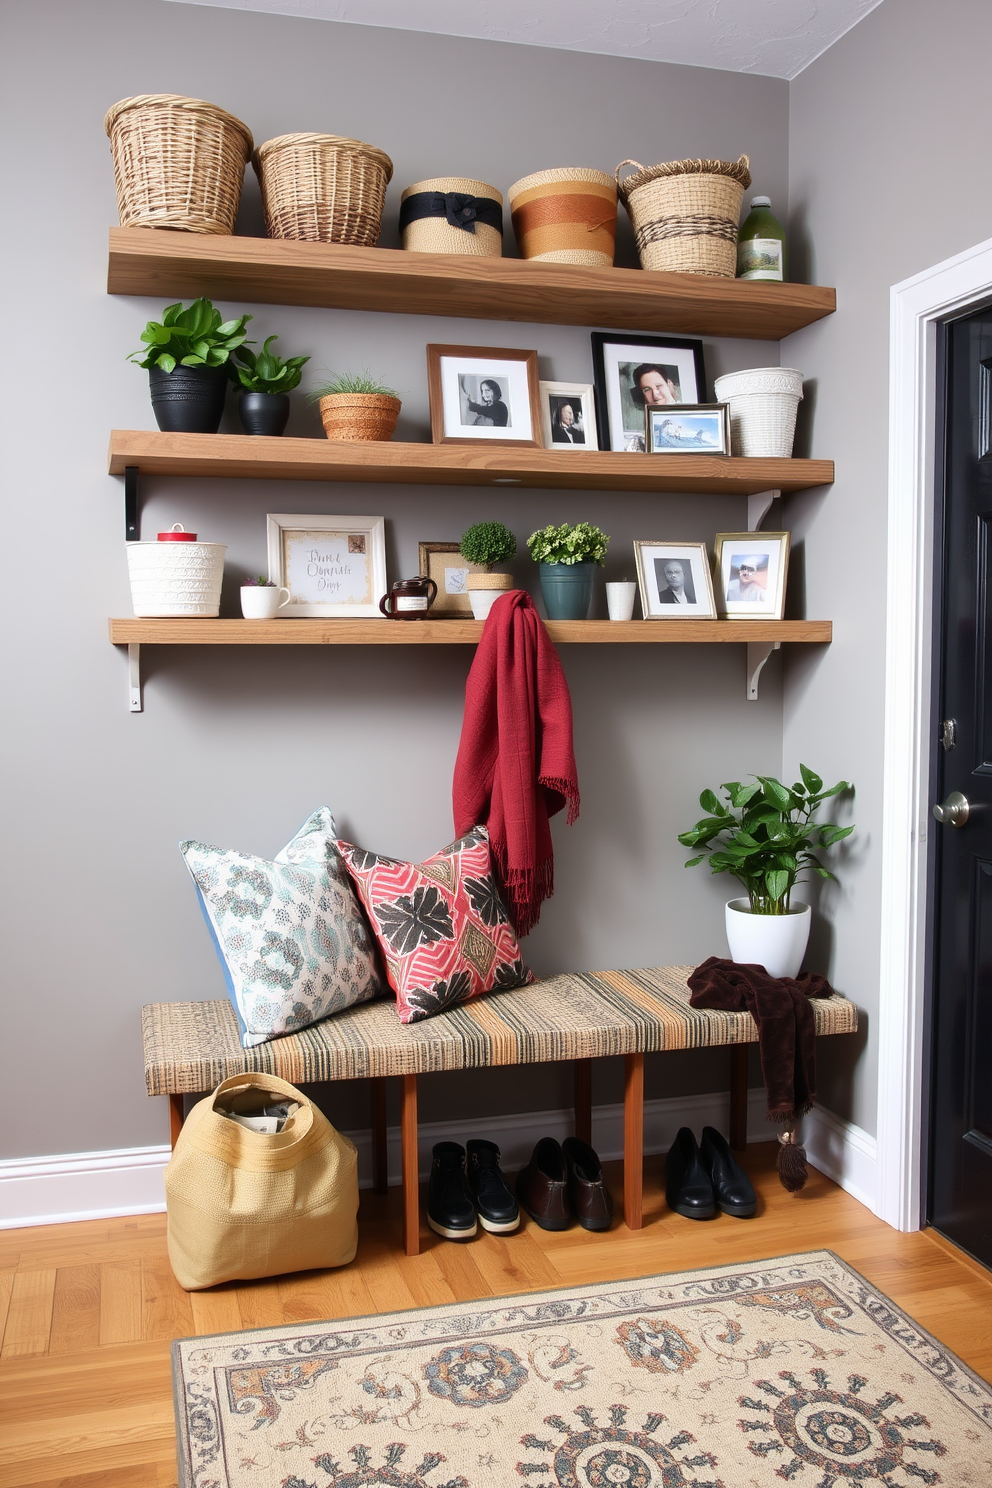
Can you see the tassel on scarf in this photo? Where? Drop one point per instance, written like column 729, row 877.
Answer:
column 791, row 1163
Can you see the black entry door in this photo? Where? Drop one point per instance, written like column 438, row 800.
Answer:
column 961, row 1137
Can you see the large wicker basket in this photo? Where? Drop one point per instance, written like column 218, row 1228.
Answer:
column 686, row 213
column 322, row 188
column 178, row 162
column 567, row 215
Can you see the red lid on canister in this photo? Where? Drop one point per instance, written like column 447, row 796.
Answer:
column 177, row 533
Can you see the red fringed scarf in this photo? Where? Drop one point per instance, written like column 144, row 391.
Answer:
column 515, row 766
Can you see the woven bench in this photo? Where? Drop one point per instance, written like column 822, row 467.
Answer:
column 191, row 1046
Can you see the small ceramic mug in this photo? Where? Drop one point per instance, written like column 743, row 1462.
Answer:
column 620, row 599
column 261, row 603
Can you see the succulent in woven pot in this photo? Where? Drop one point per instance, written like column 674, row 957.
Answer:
column 266, row 381
column 485, row 544
column 187, row 356
column 357, row 406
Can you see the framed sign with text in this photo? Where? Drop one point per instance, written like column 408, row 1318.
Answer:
column 333, row 567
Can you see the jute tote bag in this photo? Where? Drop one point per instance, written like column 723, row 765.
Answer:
column 243, row 1204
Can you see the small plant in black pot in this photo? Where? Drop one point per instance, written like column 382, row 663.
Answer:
column 187, row 355
column 266, row 381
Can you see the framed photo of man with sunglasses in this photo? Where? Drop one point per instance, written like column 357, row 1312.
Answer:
column 751, row 572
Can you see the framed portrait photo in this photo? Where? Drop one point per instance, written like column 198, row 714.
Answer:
column 332, row 566
column 674, row 581
column 483, row 395
column 636, row 373
column 751, row 571
column 690, row 429
column 568, row 415
column 443, row 562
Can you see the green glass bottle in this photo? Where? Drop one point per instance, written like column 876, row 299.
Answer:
column 761, row 243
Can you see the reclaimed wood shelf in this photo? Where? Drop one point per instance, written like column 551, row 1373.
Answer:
column 171, row 265
column 242, row 456
column 279, row 632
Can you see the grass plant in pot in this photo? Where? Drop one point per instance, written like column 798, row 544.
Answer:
column 187, row 355
column 357, row 406
column 266, row 382
column 568, row 556
column 486, row 544
column 765, row 836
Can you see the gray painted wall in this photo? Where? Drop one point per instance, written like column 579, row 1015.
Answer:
column 236, row 747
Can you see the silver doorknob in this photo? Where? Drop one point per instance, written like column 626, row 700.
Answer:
column 954, row 811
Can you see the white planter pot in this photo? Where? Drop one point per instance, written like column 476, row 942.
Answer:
column 776, row 942
column 763, row 402
column 483, row 601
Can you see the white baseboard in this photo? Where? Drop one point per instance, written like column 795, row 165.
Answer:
column 109, row 1185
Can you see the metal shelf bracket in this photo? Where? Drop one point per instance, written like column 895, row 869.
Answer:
column 758, row 653
column 134, row 677
column 758, row 507
column 131, row 517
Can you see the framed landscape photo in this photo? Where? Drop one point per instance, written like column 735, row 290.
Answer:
column 443, row 562
column 333, row 567
column 483, row 395
column 751, row 571
column 690, row 429
column 674, row 581
column 635, row 373
column 568, row 415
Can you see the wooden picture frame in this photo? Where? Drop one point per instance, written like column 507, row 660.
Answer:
column 758, row 593
column 343, row 558
column 678, row 362
column 483, row 395
column 579, row 432
column 684, row 592
column 688, row 429
column 452, row 602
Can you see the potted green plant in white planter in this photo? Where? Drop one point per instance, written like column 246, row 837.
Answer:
column 266, row 381
column 568, row 555
column 187, row 355
column 765, row 836
column 486, row 544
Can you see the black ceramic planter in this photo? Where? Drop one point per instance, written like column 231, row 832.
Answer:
column 188, row 400
column 263, row 413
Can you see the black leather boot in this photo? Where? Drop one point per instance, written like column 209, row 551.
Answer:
column 450, row 1210
column 495, row 1204
column 688, row 1188
column 731, row 1185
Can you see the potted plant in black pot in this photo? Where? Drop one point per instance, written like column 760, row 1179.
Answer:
column 568, row 556
column 486, row 544
column 765, row 836
column 266, row 382
column 187, row 355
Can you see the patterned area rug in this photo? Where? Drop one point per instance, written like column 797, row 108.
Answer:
column 792, row 1369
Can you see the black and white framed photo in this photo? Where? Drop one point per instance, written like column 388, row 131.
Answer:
column 635, row 373
column 674, row 581
column 690, row 429
column 483, row 394
column 333, row 567
column 751, row 572
column 568, row 415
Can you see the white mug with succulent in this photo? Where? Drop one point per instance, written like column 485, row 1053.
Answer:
column 261, row 599
column 486, row 544
column 568, row 555
column 356, row 405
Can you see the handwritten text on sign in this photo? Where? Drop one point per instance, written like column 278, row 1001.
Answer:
column 327, row 567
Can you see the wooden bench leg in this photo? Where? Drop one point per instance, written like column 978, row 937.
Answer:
column 633, row 1140
column 411, row 1174
column 177, row 1115
column 380, row 1170
column 738, row 1097
column 583, row 1100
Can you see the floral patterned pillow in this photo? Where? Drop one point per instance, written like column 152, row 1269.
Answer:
column 292, row 939
column 442, row 927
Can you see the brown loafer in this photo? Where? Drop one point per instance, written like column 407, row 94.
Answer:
column 590, row 1199
column 542, row 1187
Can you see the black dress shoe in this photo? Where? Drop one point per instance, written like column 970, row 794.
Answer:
column 450, row 1210
column 495, row 1204
column 542, row 1187
column 588, row 1196
column 688, row 1188
column 731, row 1185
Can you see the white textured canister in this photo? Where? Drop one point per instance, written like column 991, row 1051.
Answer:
column 175, row 578
column 763, row 402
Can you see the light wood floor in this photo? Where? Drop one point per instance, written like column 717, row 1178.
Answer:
column 87, row 1311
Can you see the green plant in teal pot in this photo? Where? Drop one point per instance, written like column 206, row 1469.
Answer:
column 186, row 354
column 568, row 556
column 266, row 381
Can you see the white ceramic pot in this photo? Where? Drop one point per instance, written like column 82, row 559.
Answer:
column 776, row 942
column 763, row 402
column 484, row 589
column 175, row 578
column 261, row 603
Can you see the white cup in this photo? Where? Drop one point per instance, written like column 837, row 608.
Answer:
column 261, row 603
column 620, row 599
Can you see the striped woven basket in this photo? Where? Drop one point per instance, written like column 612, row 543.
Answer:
column 178, row 162
column 685, row 213
column 566, row 216
column 322, row 188
column 436, row 235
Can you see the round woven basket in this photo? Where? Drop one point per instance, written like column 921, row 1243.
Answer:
column 566, row 216
column 322, row 188
column 178, row 162
column 763, row 402
column 685, row 213
column 436, row 235
column 364, row 416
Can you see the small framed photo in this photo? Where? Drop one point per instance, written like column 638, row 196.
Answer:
column 636, row 373
column 568, row 415
column 691, row 429
column 751, row 570
column 443, row 562
column 674, row 581
column 483, row 395
column 332, row 566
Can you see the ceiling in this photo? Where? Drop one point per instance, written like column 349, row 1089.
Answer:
column 776, row 38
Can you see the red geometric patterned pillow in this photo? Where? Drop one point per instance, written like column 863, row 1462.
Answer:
column 441, row 925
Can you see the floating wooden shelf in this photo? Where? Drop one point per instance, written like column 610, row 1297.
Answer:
column 241, row 456
column 171, row 265
column 192, row 632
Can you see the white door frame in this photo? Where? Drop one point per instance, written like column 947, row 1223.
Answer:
column 916, row 306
